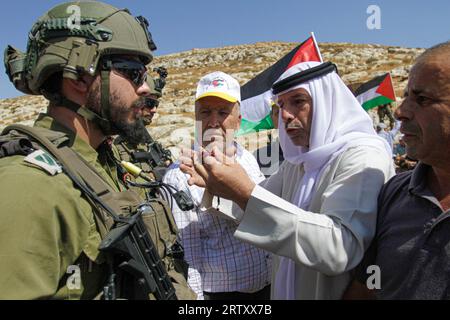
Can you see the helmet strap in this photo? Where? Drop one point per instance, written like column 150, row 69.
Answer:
column 105, row 107
column 82, row 111
column 90, row 115
column 105, row 110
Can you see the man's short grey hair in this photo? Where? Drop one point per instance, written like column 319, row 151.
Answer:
column 441, row 48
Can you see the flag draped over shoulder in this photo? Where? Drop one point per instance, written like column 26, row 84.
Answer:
column 256, row 96
column 376, row 92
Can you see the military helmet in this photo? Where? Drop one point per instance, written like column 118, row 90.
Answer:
column 151, row 82
column 72, row 37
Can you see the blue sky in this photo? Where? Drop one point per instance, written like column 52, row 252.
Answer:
column 183, row 25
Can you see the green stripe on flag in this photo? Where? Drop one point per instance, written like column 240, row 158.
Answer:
column 378, row 101
column 250, row 126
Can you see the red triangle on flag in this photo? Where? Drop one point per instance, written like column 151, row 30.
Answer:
column 307, row 52
column 386, row 88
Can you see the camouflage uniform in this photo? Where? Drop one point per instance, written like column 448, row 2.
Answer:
column 51, row 228
column 385, row 111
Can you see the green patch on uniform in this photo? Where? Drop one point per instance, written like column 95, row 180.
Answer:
column 45, row 161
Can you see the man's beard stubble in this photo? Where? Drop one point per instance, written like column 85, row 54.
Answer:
column 117, row 114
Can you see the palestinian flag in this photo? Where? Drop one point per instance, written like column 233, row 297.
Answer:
column 256, row 96
column 376, row 92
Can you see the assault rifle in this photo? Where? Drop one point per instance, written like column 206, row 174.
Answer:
column 134, row 253
column 156, row 156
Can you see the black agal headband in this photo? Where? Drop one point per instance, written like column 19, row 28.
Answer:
column 303, row 76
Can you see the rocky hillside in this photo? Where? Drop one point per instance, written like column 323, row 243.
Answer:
column 356, row 64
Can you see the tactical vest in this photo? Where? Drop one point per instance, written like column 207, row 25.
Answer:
column 21, row 140
column 152, row 158
column 126, row 154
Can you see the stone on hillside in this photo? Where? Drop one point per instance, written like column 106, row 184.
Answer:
column 173, row 110
column 180, row 102
column 174, row 119
column 397, row 50
column 157, row 131
column 355, row 76
column 181, row 136
column 400, row 72
column 188, row 109
column 258, row 60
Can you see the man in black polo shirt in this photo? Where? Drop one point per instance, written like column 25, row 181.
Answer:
column 410, row 254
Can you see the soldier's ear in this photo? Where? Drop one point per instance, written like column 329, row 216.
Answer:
column 79, row 86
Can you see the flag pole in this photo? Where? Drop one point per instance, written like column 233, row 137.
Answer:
column 317, row 47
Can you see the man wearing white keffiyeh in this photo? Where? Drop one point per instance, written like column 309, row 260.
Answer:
column 318, row 212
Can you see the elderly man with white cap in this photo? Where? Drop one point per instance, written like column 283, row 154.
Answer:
column 318, row 212
column 220, row 266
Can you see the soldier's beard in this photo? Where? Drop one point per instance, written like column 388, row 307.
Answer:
column 147, row 119
column 124, row 121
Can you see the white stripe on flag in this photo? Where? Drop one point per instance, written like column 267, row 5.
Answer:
column 258, row 107
column 368, row 95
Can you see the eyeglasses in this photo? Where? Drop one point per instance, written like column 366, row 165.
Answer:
column 151, row 103
column 130, row 69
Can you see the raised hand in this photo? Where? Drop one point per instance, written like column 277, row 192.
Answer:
column 225, row 177
column 188, row 159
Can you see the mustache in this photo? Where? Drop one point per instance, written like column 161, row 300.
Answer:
column 409, row 128
column 292, row 125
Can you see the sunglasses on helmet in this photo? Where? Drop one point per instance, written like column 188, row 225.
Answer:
column 130, row 69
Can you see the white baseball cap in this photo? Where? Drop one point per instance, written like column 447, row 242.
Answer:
column 219, row 84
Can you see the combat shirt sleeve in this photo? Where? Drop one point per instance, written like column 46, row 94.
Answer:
column 42, row 231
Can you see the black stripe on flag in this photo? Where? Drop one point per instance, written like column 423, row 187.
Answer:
column 375, row 82
column 264, row 81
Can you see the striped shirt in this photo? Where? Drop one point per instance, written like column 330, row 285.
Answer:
column 218, row 262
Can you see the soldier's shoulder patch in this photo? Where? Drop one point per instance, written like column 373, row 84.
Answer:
column 45, row 161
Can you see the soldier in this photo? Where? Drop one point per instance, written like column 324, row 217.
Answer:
column 66, row 216
column 385, row 111
column 147, row 153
